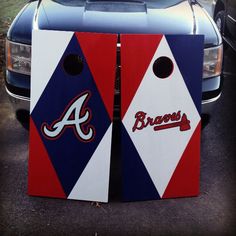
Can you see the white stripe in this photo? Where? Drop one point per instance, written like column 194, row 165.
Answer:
column 47, row 50
column 93, row 184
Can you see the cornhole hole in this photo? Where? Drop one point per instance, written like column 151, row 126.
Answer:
column 71, row 112
column 161, row 80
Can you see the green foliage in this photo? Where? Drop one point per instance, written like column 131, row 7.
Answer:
column 8, row 11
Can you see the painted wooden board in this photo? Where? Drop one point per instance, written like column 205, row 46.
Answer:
column 71, row 112
column 161, row 78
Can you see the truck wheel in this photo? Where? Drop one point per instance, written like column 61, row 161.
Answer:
column 220, row 21
column 23, row 117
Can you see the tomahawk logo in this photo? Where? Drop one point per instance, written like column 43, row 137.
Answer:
column 75, row 116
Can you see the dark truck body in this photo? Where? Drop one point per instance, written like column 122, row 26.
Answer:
column 151, row 17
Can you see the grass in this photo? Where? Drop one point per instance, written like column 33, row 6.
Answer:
column 8, row 11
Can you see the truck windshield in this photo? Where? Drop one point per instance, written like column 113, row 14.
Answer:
column 150, row 3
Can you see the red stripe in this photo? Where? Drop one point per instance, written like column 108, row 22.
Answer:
column 137, row 52
column 100, row 53
column 42, row 178
column 185, row 179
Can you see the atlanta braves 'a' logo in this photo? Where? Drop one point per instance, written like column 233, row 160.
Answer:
column 75, row 116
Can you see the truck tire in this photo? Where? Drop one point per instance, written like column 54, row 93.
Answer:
column 220, row 21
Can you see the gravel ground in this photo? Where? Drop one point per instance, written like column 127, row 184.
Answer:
column 212, row 213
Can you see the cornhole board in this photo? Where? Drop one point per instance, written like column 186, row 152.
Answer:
column 71, row 111
column 161, row 80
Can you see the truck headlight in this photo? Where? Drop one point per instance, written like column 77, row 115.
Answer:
column 212, row 64
column 18, row 57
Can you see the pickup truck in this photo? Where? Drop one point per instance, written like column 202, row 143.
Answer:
column 111, row 16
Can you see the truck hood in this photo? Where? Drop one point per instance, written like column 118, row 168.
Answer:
column 117, row 16
column 127, row 16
